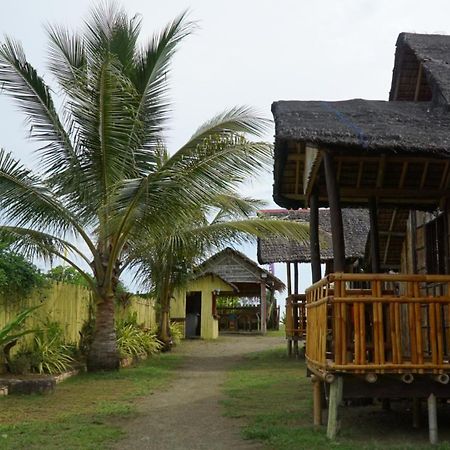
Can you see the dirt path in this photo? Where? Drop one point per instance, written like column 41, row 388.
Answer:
column 188, row 416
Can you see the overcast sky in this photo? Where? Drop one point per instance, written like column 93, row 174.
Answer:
column 246, row 52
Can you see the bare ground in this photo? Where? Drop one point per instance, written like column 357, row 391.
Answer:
column 188, row 415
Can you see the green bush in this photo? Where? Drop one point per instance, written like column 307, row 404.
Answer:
column 134, row 340
column 47, row 354
column 176, row 332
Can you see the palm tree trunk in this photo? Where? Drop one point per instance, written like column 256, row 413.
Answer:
column 164, row 323
column 103, row 354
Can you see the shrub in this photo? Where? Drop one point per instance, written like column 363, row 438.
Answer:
column 47, row 354
column 176, row 332
column 134, row 340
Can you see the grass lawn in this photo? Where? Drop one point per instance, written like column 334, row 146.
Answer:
column 273, row 398
column 84, row 411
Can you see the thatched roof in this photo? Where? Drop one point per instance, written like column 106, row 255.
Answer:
column 367, row 124
column 356, row 229
column 237, row 269
column 432, row 51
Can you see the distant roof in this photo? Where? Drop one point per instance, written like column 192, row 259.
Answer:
column 236, row 268
column 432, row 52
column 367, row 124
column 356, row 229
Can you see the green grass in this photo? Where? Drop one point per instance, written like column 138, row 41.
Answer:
column 272, row 396
column 84, row 412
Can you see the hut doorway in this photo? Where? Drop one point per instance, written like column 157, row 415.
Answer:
column 193, row 314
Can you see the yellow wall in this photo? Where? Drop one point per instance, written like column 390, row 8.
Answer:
column 69, row 305
column 206, row 285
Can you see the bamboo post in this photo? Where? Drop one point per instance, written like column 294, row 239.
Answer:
column 374, row 236
column 335, row 213
column 263, row 307
column 432, row 419
column 314, row 237
column 317, row 400
column 336, row 388
column 289, row 283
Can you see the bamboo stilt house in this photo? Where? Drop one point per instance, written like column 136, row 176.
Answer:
column 384, row 333
column 276, row 250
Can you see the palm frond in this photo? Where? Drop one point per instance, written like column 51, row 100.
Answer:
column 37, row 244
column 150, row 77
column 67, row 57
column 20, row 80
column 25, row 201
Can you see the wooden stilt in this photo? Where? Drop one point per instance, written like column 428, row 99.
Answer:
column 416, row 412
column 432, row 419
column 314, row 237
column 263, row 308
column 317, row 400
column 335, row 398
column 289, row 347
column 337, row 232
column 296, row 348
column 374, row 236
column 296, row 278
column 288, row 273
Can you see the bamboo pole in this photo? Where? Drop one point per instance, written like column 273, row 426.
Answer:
column 314, row 237
column 432, row 419
column 336, row 388
column 317, row 400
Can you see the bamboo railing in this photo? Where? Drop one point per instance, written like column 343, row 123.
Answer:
column 391, row 325
column 295, row 324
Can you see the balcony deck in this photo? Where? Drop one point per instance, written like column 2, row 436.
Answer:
column 380, row 323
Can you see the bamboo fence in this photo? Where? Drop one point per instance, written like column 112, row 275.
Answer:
column 392, row 326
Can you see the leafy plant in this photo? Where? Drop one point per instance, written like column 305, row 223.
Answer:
column 176, row 332
column 10, row 332
column 134, row 340
column 50, row 356
column 49, row 353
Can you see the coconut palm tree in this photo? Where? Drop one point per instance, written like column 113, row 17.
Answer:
column 100, row 184
column 165, row 262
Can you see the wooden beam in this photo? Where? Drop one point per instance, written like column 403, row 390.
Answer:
column 424, row 174
column 296, row 278
column 403, row 175
column 374, row 236
column 314, row 243
column 360, row 172
column 312, row 165
column 445, row 176
column 403, row 195
column 335, row 213
column 388, row 240
column 380, row 174
column 263, row 307
column 288, row 272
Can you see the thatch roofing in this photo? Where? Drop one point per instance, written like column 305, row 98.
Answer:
column 356, row 228
column 367, row 124
column 432, row 52
column 237, row 269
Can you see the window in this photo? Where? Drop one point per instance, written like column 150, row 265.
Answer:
column 435, row 240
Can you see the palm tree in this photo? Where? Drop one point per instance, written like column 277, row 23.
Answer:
column 100, row 184
column 167, row 262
